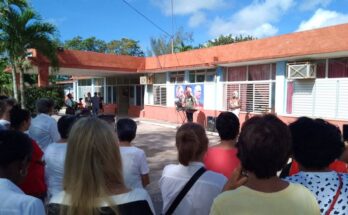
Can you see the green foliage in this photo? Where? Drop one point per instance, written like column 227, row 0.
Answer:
column 163, row 45
column 228, row 39
column 32, row 94
column 125, row 46
column 21, row 29
column 5, row 80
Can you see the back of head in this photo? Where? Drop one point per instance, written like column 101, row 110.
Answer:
column 264, row 145
column 227, row 124
column 109, row 118
column 126, row 129
column 18, row 116
column 316, row 143
column 3, row 108
column 93, row 165
column 191, row 142
column 14, row 146
column 64, row 125
column 44, row 105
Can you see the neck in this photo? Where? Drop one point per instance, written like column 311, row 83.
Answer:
column 229, row 144
column 62, row 140
column 304, row 169
column 268, row 185
column 124, row 143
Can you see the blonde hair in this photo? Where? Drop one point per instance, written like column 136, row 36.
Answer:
column 93, row 167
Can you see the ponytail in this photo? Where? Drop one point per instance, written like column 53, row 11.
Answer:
column 191, row 142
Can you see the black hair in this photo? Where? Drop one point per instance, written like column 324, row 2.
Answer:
column 126, row 129
column 316, row 143
column 227, row 125
column 44, row 105
column 18, row 116
column 3, row 107
column 14, row 146
column 264, row 145
column 64, row 125
column 109, row 118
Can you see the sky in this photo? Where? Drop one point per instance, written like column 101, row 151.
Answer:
column 205, row 19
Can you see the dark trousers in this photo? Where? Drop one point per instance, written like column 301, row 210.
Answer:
column 189, row 116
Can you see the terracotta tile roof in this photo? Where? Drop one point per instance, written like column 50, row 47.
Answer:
column 319, row 41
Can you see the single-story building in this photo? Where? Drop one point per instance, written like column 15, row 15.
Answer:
column 298, row 74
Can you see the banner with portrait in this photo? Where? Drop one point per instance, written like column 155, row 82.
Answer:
column 183, row 91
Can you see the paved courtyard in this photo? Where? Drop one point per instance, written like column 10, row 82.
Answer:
column 158, row 142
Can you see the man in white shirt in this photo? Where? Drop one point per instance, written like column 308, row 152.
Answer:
column 135, row 168
column 43, row 127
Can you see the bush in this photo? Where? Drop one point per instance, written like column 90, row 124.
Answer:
column 32, row 94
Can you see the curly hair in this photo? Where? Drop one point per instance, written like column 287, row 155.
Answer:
column 316, row 143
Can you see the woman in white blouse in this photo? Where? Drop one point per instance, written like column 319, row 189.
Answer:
column 15, row 154
column 192, row 143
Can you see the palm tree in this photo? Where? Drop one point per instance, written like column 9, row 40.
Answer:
column 22, row 29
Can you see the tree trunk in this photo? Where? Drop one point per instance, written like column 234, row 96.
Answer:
column 14, row 81
column 21, row 87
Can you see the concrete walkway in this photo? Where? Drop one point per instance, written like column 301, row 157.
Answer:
column 158, row 141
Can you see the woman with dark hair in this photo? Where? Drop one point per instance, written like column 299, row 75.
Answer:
column 263, row 149
column 316, row 144
column 191, row 143
column 222, row 158
column 34, row 183
column 15, row 154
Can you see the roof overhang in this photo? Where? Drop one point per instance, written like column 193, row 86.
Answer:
column 289, row 58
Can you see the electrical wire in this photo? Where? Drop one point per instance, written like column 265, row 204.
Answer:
column 148, row 19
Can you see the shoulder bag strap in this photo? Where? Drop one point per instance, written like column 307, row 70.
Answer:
column 336, row 195
column 184, row 191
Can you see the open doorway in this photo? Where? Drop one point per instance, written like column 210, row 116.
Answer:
column 123, row 100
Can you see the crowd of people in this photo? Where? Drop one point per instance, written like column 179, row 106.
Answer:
column 86, row 164
column 90, row 104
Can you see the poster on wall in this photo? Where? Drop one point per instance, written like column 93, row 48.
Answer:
column 182, row 91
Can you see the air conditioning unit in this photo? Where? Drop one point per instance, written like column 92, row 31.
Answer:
column 302, row 70
column 146, row 80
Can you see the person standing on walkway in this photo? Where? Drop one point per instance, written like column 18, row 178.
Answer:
column 189, row 104
column 191, row 143
column 95, row 104
column 222, row 158
column 135, row 168
column 43, row 128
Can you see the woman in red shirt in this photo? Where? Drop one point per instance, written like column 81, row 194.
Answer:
column 34, row 183
column 222, row 158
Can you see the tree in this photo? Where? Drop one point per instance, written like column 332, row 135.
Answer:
column 228, row 39
column 163, row 44
column 88, row 44
column 125, row 46
column 5, row 80
column 22, row 29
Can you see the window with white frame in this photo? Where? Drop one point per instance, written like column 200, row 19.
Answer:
column 257, row 97
column 177, row 77
column 160, row 78
column 160, row 95
column 198, row 76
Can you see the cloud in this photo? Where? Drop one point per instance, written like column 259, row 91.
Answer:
column 312, row 4
column 255, row 19
column 187, row 7
column 196, row 19
column 322, row 18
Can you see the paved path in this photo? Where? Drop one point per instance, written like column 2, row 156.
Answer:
column 158, row 142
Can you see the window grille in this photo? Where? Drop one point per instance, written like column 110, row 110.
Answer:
column 160, row 95
column 254, row 97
